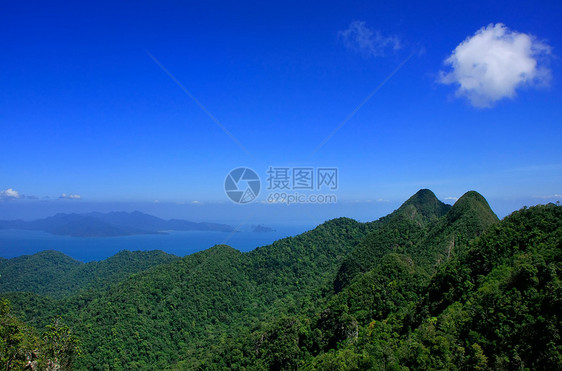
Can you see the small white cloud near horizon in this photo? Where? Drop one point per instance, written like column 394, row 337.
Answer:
column 9, row 193
column 549, row 197
column 493, row 63
column 451, row 198
column 70, row 196
column 372, row 43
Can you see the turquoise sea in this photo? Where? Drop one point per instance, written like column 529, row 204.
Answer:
column 19, row 242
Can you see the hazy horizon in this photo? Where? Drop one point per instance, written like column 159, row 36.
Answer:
column 109, row 107
column 229, row 213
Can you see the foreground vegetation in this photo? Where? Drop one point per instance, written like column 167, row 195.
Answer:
column 428, row 286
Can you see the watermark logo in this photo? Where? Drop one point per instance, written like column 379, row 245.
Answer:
column 302, row 178
column 242, row 185
column 285, row 185
column 288, row 198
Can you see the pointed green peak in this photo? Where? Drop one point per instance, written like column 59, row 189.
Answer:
column 218, row 250
column 426, row 204
column 473, row 203
column 423, row 195
column 223, row 247
column 472, row 196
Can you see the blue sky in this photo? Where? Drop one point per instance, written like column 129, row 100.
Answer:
column 90, row 121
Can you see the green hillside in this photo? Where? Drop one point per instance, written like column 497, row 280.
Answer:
column 194, row 300
column 429, row 286
column 56, row 275
column 494, row 306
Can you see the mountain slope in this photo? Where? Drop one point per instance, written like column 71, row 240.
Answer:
column 495, row 305
column 57, row 275
column 499, row 301
column 195, row 300
column 423, row 228
column 469, row 217
column 39, row 273
column 396, row 232
column 241, row 290
column 450, row 288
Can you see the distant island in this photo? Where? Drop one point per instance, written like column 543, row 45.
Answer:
column 262, row 228
column 111, row 224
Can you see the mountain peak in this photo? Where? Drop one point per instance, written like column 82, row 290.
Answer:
column 472, row 202
column 427, row 204
column 473, row 195
column 424, row 192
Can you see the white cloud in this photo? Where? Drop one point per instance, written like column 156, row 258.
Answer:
column 451, row 198
column 547, row 197
column 70, row 196
column 9, row 193
column 494, row 63
column 362, row 39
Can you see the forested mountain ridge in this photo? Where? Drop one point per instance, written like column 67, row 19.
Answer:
column 57, row 275
column 194, row 299
column 496, row 305
column 37, row 273
column 421, row 298
column 424, row 228
column 395, row 232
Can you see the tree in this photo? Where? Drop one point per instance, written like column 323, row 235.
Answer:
column 61, row 347
column 18, row 343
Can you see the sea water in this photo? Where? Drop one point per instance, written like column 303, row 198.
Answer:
column 20, row 242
